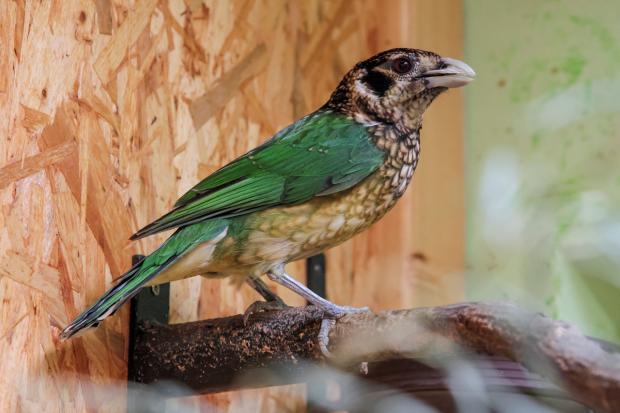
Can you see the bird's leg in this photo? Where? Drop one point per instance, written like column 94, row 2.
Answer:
column 260, row 287
column 272, row 300
column 280, row 276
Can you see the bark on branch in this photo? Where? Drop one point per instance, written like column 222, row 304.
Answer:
column 208, row 355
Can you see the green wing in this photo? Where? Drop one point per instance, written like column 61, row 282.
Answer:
column 320, row 154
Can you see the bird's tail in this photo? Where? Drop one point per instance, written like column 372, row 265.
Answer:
column 130, row 283
column 127, row 286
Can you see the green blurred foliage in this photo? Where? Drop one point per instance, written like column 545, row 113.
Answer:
column 543, row 158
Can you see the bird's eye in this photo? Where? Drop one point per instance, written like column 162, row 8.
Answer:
column 402, row 65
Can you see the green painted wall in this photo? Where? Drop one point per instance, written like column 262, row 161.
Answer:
column 543, row 157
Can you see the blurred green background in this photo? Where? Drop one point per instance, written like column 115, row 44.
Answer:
column 542, row 154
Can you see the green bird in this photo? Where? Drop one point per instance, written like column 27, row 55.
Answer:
column 312, row 186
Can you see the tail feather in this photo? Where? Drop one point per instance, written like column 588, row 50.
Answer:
column 127, row 287
column 130, row 283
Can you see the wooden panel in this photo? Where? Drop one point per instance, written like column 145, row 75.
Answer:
column 112, row 109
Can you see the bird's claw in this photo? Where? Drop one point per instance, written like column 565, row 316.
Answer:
column 323, row 337
column 262, row 306
column 334, row 312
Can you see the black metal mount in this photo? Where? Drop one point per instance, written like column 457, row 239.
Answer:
column 150, row 305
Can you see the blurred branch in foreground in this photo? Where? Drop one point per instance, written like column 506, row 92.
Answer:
column 210, row 356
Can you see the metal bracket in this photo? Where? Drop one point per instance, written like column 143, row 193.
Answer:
column 150, row 305
column 315, row 270
column 316, row 281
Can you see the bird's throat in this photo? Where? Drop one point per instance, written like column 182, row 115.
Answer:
column 402, row 149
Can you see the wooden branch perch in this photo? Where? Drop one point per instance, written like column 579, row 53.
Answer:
column 209, row 355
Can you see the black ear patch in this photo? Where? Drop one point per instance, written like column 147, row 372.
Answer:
column 378, row 82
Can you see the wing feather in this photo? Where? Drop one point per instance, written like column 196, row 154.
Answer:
column 320, row 154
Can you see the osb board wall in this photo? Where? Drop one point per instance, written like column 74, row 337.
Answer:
column 112, row 109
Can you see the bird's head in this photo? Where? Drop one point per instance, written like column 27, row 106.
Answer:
column 396, row 86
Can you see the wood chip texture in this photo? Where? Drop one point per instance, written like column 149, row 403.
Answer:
column 111, row 109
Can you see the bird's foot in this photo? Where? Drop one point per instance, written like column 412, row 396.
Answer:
column 323, row 337
column 334, row 312
column 337, row 311
column 262, row 306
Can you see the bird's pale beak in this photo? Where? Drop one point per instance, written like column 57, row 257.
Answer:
column 452, row 73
